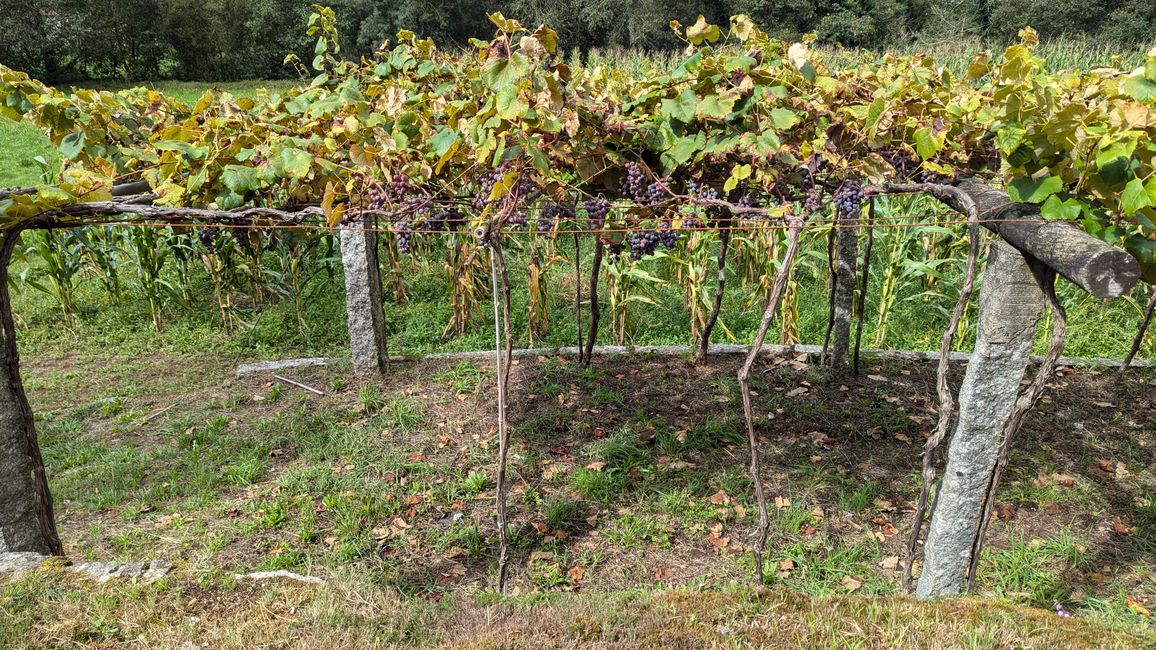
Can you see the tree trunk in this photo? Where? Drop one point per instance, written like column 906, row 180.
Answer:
column 26, row 519
column 1010, row 306
column 847, row 244
column 363, row 291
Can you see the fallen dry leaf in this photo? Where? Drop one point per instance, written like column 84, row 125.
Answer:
column 717, row 541
column 452, row 572
column 577, row 573
column 889, row 563
column 782, row 502
column 850, row 583
column 1135, row 605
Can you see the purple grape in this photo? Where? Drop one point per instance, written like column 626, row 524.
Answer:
column 596, row 212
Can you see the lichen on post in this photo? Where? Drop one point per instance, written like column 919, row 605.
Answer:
column 1010, row 305
column 366, row 321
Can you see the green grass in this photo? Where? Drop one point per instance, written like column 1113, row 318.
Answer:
column 393, row 503
column 22, row 144
column 350, row 611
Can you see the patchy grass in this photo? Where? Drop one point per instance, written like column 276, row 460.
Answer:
column 349, row 611
column 627, row 480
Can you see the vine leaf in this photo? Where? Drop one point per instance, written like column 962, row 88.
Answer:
column 1026, row 189
column 1135, row 197
column 702, row 31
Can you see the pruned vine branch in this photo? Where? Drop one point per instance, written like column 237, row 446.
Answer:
column 795, row 224
column 946, row 400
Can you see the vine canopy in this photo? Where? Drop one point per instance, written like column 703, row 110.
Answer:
column 508, row 125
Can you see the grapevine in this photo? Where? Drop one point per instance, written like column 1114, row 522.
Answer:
column 746, row 132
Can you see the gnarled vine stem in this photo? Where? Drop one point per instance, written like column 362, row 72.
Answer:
column 831, row 237
column 503, row 354
column 1145, row 320
column 595, row 313
column 946, row 400
column 578, row 293
column 863, row 283
column 795, row 224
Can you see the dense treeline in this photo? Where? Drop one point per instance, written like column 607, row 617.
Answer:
column 71, row 40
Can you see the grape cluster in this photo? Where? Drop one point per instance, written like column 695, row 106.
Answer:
column 524, row 189
column 907, row 166
column 208, row 237
column 814, row 201
column 596, row 211
column 655, row 192
column 400, row 185
column 848, row 199
column 377, row 198
column 552, row 214
column 702, row 190
column 404, row 229
column 668, row 236
column 445, row 220
column 634, row 186
column 486, row 183
column 642, row 243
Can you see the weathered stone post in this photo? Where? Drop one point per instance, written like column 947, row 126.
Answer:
column 1010, row 305
column 363, row 292
column 847, row 245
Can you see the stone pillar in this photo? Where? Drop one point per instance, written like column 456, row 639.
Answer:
column 1010, row 305
column 363, row 299
column 847, row 245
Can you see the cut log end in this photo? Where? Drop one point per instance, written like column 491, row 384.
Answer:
column 1110, row 274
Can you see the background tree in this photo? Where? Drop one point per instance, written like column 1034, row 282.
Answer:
column 64, row 41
